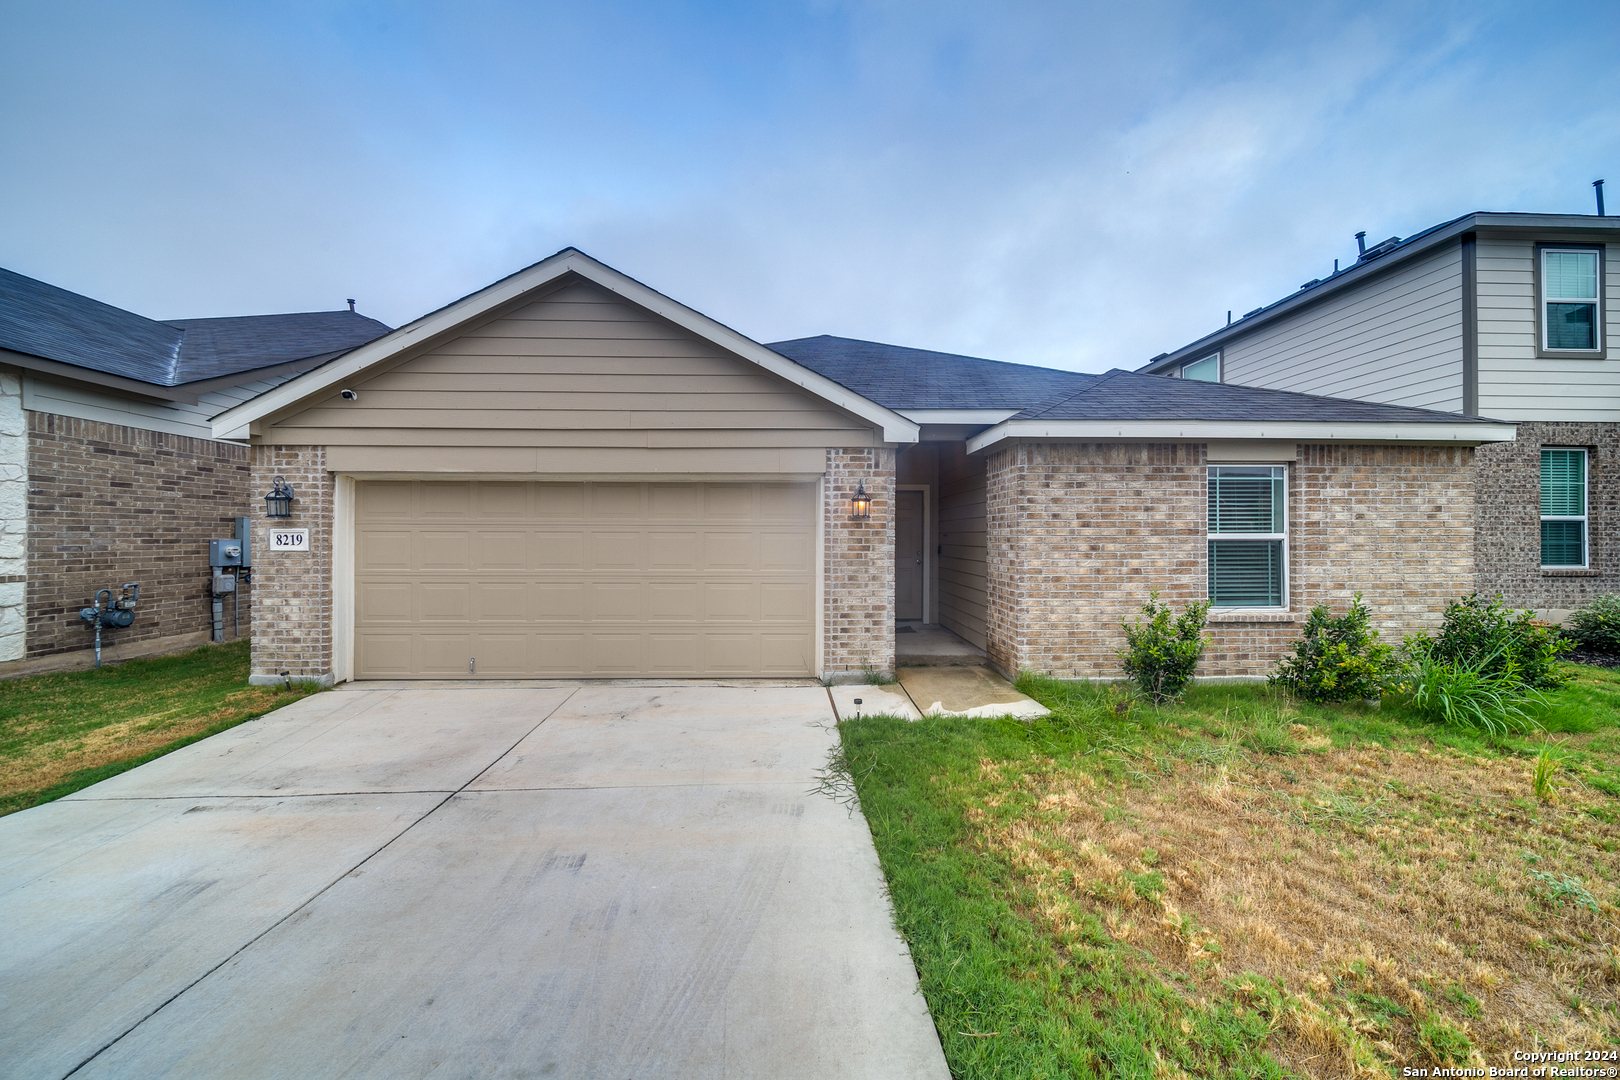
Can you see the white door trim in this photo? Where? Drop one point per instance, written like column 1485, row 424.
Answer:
column 343, row 606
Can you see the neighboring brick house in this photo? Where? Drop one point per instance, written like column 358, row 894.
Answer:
column 109, row 471
column 568, row 474
column 1510, row 316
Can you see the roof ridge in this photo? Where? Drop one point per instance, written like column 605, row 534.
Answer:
column 1052, row 403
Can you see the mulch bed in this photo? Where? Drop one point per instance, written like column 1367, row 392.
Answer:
column 1596, row 659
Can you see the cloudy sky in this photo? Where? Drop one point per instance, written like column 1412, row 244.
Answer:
column 1082, row 185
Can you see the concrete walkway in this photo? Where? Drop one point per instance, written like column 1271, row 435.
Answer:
column 599, row 881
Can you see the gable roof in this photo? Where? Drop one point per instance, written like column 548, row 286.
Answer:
column 1377, row 259
column 447, row 321
column 1130, row 405
column 907, row 379
column 41, row 320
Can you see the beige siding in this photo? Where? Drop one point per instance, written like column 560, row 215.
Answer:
column 962, row 575
column 579, row 368
column 1398, row 339
column 1515, row 384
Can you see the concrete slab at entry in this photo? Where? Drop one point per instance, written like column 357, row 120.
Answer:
column 874, row 701
column 967, row 691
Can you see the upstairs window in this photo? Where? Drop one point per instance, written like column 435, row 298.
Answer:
column 1248, row 536
column 1571, row 311
column 1206, row 370
column 1563, row 509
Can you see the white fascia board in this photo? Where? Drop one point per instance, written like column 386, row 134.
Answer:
column 896, row 428
column 958, row 416
column 1361, row 431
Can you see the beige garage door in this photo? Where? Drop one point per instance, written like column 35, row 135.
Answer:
column 488, row 579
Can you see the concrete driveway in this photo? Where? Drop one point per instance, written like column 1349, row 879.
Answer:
column 592, row 881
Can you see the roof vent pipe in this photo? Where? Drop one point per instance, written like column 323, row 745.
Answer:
column 1361, row 244
column 351, row 304
column 1597, row 186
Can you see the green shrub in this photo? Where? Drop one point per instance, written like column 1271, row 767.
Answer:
column 1337, row 659
column 1479, row 633
column 1160, row 655
column 1596, row 623
column 1469, row 696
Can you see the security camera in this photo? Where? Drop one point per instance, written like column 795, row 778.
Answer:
column 349, row 395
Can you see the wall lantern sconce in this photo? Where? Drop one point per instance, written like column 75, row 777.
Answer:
column 278, row 504
column 860, row 504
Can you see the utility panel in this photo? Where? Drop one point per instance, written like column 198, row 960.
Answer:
column 225, row 552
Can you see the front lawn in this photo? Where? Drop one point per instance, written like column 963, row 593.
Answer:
column 63, row 732
column 1241, row 885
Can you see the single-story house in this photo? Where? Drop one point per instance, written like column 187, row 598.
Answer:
column 569, row 474
column 109, row 471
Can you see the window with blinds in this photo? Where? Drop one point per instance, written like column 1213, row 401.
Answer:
column 1248, row 536
column 1569, row 300
column 1563, row 508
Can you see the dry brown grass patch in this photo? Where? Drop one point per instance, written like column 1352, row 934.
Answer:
column 1398, row 897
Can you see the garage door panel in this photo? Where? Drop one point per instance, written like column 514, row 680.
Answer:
column 785, row 654
column 614, row 654
column 498, row 500
column 554, row 501
column 386, row 602
column 556, row 601
column 671, row 550
column 781, row 551
column 617, row 550
column 557, row 550
column 438, row 550
column 606, row 601
column 673, row 654
column 383, row 656
column 380, row 549
column 444, row 655
column 788, row 602
column 501, row 655
column 444, row 500
column 725, row 550
column 551, row 579
column 500, row 550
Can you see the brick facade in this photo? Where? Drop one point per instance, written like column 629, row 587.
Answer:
column 109, row 504
column 1079, row 534
column 858, row 625
column 292, row 625
column 1508, row 549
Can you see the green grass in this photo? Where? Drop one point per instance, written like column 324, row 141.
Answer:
column 63, row 732
column 1035, row 964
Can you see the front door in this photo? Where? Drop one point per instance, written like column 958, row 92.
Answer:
column 908, row 555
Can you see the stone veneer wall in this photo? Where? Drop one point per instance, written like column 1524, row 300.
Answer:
column 1508, row 548
column 1079, row 534
column 109, row 504
column 858, row 625
column 13, row 519
column 292, row 622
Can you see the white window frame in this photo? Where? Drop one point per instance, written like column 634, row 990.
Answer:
column 1282, row 536
column 1220, row 373
column 1584, row 519
column 1543, row 300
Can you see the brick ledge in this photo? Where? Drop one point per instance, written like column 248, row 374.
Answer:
column 1571, row 573
column 1229, row 617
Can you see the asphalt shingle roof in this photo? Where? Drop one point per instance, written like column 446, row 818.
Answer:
column 46, row 321
column 1126, row 395
column 900, row 378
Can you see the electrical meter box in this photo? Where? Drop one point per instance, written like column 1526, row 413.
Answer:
column 225, row 552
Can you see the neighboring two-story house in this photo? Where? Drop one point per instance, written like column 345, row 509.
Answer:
column 1508, row 316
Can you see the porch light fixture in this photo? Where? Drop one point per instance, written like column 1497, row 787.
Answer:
column 278, row 504
column 860, row 504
